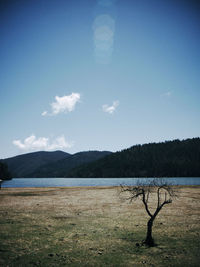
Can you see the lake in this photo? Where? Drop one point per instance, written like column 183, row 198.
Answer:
column 60, row 182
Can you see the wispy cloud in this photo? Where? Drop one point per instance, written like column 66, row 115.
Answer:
column 63, row 104
column 44, row 113
column 111, row 109
column 167, row 94
column 103, row 28
column 32, row 143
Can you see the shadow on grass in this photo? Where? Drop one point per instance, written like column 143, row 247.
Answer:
column 79, row 249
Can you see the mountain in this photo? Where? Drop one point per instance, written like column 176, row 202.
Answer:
column 24, row 165
column 62, row 167
column 49, row 164
column 167, row 159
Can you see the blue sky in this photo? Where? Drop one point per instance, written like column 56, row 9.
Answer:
column 97, row 75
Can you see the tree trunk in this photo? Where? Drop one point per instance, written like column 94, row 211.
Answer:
column 149, row 239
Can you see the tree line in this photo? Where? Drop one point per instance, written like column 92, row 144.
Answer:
column 4, row 173
column 167, row 159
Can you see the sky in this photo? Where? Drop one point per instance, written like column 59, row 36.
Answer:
column 97, row 74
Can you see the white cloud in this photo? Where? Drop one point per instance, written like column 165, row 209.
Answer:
column 64, row 103
column 32, row 143
column 44, row 113
column 110, row 109
column 60, row 143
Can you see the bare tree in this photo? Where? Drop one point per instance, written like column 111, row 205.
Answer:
column 164, row 195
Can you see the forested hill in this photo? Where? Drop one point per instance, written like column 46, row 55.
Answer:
column 49, row 164
column 168, row 159
column 61, row 168
column 23, row 165
column 4, row 173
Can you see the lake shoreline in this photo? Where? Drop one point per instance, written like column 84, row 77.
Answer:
column 65, row 182
column 80, row 187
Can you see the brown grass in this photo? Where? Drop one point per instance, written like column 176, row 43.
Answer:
column 92, row 226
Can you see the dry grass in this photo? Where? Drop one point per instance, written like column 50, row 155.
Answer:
column 92, row 226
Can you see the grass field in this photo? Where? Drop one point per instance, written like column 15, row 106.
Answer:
column 92, row 226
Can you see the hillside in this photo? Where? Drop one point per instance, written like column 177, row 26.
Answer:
column 4, row 173
column 23, row 165
column 168, row 159
column 62, row 167
column 49, row 164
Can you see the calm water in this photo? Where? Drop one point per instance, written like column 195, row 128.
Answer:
column 53, row 182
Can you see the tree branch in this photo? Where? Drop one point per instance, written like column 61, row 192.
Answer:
column 143, row 191
column 145, row 203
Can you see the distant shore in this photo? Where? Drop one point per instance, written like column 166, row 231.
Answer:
column 71, row 182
